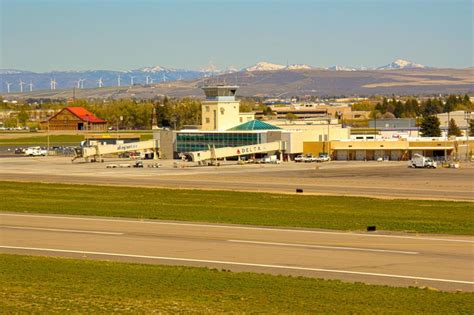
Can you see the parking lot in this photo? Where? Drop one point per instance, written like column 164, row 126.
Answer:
column 377, row 179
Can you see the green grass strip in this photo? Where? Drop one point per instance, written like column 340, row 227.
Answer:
column 41, row 140
column 54, row 139
column 328, row 212
column 59, row 285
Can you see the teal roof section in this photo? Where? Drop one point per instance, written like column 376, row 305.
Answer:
column 255, row 125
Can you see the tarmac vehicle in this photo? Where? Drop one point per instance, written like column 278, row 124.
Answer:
column 138, row 164
column 35, row 151
column 420, row 161
column 272, row 159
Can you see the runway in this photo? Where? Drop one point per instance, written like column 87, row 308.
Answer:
column 442, row 262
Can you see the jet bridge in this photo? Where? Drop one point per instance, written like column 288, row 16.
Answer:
column 96, row 151
column 219, row 153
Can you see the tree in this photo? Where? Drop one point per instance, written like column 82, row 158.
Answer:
column 364, row 105
column 247, row 105
column 23, row 117
column 268, row 111
column 430, row 127
column 453, row 129
column 399, row 110
column 11, row 122
column 388, row 115
column 471, row 128
column 291, row 117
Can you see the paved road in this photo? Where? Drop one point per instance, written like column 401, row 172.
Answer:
column 443, row 262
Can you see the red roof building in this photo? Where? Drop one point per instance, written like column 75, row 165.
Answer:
column 75, row 118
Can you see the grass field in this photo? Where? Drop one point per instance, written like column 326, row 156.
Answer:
column 59, row 285
column 344, row 213
column 42, row 140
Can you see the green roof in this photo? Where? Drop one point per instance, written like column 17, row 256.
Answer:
column 255, row 125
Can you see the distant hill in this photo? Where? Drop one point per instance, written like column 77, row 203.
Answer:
column 14, row 79
column 262, row 79
column 282, row 83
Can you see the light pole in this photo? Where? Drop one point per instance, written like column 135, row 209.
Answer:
column 329, row 123
column 375, row 125
column 48, row 139
column 467, row 116
column 117, row 133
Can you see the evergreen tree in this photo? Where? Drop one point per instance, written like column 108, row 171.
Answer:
column 450, row 104
column 471, row 128
column 467, row 100
column 23, row 117
column 430, row 127
column 453, row 129
column 399, row 110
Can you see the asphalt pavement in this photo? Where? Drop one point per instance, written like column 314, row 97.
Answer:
column 438, row 261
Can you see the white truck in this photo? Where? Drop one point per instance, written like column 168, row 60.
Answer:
column 35, row 151
column 420, row 161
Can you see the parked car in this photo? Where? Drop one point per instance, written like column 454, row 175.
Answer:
column 299, row 158
column 35, row 151
column 309, row 158
column 323, row 157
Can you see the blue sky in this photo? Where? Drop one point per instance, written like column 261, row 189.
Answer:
column 43, row 35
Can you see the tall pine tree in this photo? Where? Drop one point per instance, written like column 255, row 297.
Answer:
column 453, row 129
column 430, row 127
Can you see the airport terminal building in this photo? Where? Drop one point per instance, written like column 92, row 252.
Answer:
column 223, row 126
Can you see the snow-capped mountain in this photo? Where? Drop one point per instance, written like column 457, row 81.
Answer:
column 299, row 67
column 153, row 69
column 13, row 71
column 230, row 69
column 264, row 66
column 341, row 68
column 401, row 64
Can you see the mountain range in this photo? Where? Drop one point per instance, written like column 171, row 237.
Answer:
column 15, row 80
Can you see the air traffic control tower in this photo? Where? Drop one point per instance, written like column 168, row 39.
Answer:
column 220, row 110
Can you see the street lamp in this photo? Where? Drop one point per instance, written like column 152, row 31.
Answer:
column 467, row 117
column 120, row 119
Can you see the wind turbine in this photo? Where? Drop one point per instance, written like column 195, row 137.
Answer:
column 100, row 82
column 21, row 85
column 52, row 84
column 164, row 77
column 82, row 82
column 8, row 86
column 78, row 83
column 131, row 80
column 147, row 79
column 31, row 86
column 118, row 80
